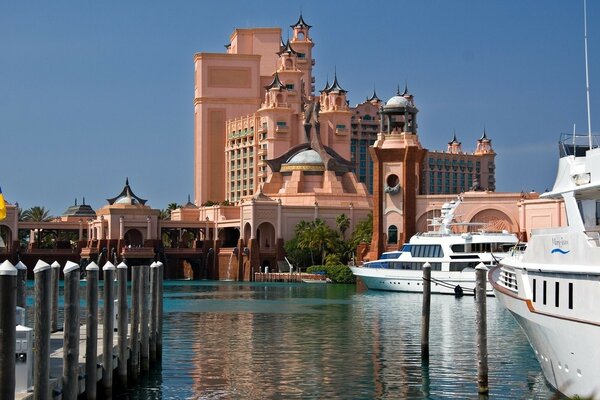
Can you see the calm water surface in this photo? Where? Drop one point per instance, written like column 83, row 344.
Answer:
column 271, row 341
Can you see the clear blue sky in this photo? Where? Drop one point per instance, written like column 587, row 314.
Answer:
column 93, row 92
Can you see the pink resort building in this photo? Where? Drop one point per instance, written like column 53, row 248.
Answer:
column 270, row 152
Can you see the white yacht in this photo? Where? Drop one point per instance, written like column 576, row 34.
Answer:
column 452, row 256
column 552, row 287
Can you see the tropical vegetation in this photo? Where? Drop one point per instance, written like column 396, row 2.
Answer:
column 318, row 247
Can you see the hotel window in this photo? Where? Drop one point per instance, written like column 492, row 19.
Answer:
column 289, row 86
column 281, row 123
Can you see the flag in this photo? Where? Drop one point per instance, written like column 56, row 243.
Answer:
column 2, row 206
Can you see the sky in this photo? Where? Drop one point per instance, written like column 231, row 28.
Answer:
column 94, row 92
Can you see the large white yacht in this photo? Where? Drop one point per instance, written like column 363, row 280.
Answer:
column 552, row 287
column 452, row 256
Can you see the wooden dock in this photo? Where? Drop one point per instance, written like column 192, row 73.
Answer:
column 56, row 362
column 287, row 277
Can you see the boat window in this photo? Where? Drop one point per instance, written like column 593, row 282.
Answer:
column 570, row 295
column 392, row 234
column 544, row 293
column 462, row 266
column 556, row 294
column 430, row 251
column 406, row 248
column 458, row 248
column 534, row 288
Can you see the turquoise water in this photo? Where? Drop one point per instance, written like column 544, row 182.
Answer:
column 310, row 341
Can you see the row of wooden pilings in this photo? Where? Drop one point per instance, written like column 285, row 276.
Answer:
column 480, row 322
column 134, row 356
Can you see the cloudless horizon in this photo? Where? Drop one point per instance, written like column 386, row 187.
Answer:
column 92, row 93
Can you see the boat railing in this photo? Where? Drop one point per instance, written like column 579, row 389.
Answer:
column 593, row 237
column 576, row 145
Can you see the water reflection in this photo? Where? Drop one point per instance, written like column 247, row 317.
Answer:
column 267, row 341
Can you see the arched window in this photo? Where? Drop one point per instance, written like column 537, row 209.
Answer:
column 392, row 234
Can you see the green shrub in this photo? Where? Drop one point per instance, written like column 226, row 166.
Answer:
column 337, row 273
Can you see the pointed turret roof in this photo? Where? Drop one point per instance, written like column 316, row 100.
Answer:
column 126, row 196
column 406, row 92
column 189, row 203
column 301, row 23
column 276, row 83
column 287, row 49
column 454, row 140
column 484, row 136
column 374, row 97
column 327, row 87
column 335, row 86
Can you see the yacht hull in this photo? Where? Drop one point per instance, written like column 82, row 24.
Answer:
column 567, row 350
column 412, row 281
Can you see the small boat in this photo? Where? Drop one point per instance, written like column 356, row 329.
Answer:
column 452, row 257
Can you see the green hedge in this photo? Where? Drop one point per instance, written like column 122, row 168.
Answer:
column 337, row 273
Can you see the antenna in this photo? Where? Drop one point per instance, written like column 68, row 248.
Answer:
column 587, row 74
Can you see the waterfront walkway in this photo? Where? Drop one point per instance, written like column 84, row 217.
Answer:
column 56, row 361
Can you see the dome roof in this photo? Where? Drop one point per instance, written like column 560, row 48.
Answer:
column 308, row 156
column 398, row 101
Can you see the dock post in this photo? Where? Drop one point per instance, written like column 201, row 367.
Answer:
column 108, row 328
column 426, row 312
column 8, row 303
column 145, row 319
column 55, row 280
column 134, row 360
column 122, row 324
column 153, row 310
column 91, row 332
column 481, row 321
column 42, row 274
column 70, row 378
column 159, row 310
column 21, row 284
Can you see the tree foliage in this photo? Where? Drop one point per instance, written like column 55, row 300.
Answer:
column 36, row 214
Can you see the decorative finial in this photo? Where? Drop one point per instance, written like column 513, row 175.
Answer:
column 398, row 90
column 75, row 200
column 84, row 200
column 127, row 181
column 405, row 88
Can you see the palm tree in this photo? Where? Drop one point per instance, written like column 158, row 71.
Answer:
column 343, row 223
column 37, row 214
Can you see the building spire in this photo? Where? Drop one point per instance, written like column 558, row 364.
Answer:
column 406, row 93
column 335, row 86
column 276, row 83
column 300, row 23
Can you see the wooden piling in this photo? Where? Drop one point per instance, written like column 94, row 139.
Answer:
column 55, row 280
column 426, row 312
column 8, row 338
column 481, row 322
column 70, row 378
column 153, row 310
column 159, row 311
column 145, row 319
column 42, row 274
column 134, row 360
column 91, row 334
column 122, row 324
column 108, row 328
column 21, row 284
